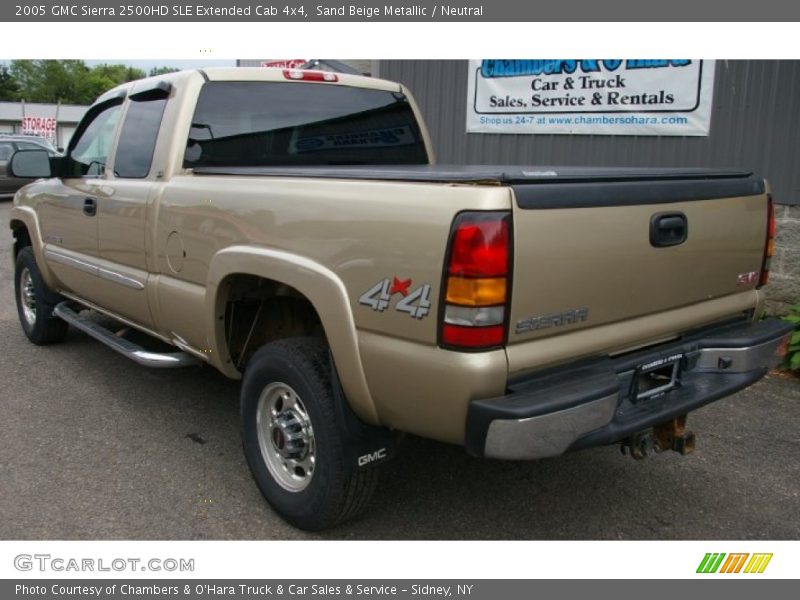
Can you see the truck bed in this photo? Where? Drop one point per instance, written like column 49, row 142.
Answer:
column 583, row 240
column 545, row 187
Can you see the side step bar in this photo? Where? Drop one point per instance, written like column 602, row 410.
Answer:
column 160, row 360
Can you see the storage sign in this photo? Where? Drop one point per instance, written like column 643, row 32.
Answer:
column 607, row 97
column 42, row 126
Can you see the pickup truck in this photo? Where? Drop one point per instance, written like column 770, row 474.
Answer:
column 290, row 228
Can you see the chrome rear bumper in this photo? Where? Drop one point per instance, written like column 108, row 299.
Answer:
column 599, row 401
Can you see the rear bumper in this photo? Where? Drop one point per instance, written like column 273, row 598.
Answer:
column 599, row 401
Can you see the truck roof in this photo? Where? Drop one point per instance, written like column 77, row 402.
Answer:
column 278, row 74
column 248, row 74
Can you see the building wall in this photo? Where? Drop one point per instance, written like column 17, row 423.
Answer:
column 755, row 125
column 68, row 116
column 783, row 290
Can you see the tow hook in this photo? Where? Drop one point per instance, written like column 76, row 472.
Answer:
column 671, row 435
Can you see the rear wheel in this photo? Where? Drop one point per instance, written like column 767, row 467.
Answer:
column 35, row 302
column 292, row 440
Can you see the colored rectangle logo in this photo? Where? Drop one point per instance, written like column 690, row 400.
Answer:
column 734, row 563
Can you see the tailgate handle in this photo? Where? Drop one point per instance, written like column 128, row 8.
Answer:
column 668, row 229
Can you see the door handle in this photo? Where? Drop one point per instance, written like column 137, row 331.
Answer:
column 90, row 207
column 668, row 229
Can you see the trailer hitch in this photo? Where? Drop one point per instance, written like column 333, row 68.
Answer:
column 671, row 435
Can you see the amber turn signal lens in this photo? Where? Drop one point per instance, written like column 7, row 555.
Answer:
column 476, row 292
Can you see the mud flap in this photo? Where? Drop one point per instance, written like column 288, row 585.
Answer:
column 365, row 445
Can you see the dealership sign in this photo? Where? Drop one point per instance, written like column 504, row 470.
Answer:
column 42, row 126
column 607, row 97
column 292, row 63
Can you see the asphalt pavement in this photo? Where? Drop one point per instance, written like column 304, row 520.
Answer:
column 93, row 446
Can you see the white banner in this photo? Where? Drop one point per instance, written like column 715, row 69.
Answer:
column 430, row 559
column 607, row 97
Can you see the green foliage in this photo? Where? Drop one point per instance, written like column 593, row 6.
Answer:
column 161, row 71
column 67, row 81
column 9, row 88
column 51, row 80
column 792, row 360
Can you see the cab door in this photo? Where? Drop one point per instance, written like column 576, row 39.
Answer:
column 122, row 206
column 67, row 207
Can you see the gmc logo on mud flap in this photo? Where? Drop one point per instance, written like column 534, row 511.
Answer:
column 365, row 459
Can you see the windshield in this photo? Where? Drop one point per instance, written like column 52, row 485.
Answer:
column 297, row 124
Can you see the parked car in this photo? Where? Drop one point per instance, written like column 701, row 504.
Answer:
column 10, row 144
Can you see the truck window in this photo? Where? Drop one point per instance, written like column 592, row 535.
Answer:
column 137, row 140
column 90, row 152
column 298, row 124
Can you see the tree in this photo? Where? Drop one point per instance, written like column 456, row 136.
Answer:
column 67, row 81
column 104, row 77
column 161, row 71
column 51, row 80
column 9, row 88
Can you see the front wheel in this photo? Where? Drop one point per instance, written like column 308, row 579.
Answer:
column 35, row 302
column 291, row 438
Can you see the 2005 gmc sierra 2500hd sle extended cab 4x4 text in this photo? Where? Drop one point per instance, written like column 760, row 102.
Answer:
column 291, row 228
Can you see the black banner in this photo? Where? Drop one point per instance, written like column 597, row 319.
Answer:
column 399, row 11
column 402, row 589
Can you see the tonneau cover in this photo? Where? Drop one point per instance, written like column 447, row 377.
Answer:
column 500, row 174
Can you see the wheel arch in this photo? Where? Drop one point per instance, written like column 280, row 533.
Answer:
column 305, row 280
column 24, row 225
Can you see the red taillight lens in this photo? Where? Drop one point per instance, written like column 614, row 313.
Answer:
column 476, row 284
column 769, row 247
column 771, row 221
column 480, row 246
column 473, row 337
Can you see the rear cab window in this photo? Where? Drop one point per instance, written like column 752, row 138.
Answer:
column 301, row 124
column 137, row 140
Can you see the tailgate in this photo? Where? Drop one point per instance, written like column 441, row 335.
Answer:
column 593, row 253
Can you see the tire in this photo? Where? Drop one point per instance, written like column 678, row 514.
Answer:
column 35, row 302
column 292, row 440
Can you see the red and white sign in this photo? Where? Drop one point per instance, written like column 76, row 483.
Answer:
column 292, row 63
column 41, row 126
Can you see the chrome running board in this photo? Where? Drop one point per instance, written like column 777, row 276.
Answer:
column 159, row 360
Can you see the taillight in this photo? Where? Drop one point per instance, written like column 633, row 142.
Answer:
column 477, row 282
column 769, row 247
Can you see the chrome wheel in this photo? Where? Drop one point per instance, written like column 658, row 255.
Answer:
column 285, row 437
column 27, row 297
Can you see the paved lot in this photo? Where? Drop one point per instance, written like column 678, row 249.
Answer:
column 93, row 446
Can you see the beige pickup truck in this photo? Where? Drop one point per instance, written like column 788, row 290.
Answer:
column 290, row 228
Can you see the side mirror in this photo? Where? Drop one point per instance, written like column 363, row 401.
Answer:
column 30, row 164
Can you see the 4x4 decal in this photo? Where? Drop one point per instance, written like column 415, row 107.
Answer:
column 416, row 303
